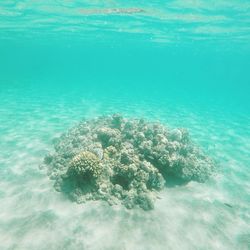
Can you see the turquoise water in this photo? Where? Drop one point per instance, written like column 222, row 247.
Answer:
column 184, row 63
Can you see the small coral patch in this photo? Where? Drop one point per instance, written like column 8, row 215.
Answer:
column 125, row 161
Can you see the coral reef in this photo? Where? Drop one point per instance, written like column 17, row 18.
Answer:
column 124, row 161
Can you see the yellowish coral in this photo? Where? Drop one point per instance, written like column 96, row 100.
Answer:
column 86, row 162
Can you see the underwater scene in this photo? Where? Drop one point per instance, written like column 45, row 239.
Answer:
column 125, row 125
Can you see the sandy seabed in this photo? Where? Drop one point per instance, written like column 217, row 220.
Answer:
column 210, row 215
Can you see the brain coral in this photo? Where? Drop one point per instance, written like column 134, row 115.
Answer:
column 127, row 161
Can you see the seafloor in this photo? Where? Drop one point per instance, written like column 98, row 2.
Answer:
column 210, row 215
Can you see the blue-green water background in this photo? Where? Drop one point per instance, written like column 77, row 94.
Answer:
column 184, row 63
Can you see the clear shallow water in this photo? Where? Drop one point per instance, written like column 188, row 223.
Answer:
column 153, row 64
